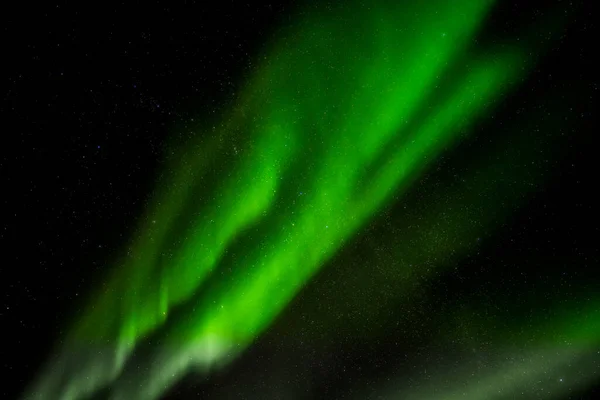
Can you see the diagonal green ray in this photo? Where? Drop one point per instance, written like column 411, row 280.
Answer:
column 320, row 115
column 229, row 317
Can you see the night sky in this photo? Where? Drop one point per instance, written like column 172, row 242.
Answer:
column 311, row 200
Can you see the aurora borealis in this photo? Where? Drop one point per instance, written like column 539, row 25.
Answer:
column 347, row 112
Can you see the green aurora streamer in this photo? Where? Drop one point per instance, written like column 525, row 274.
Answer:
column 347, row 109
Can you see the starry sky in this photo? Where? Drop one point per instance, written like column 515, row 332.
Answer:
column 295, row 201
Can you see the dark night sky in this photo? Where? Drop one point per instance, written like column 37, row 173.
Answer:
column 90, row 96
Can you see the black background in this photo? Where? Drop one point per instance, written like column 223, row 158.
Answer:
column 90, row 95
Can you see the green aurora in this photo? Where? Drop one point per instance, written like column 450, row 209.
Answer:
column 344, row 112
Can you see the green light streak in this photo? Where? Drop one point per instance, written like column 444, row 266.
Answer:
column 333, row 125
column 230, row 323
